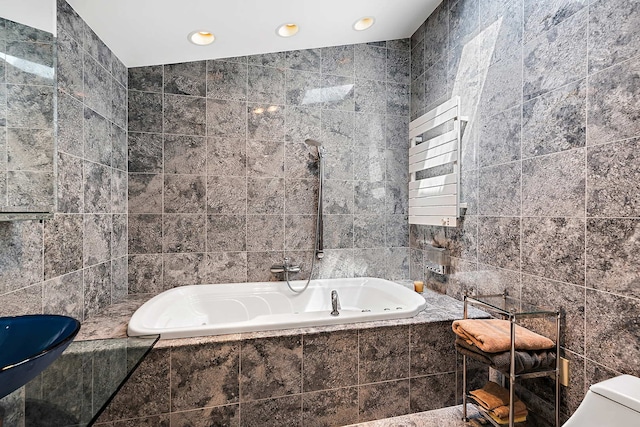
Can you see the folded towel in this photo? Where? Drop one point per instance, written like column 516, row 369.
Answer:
column 503, row 411
column 494, row 335
column 503, row 421
column 526, row 361
column 491, row 396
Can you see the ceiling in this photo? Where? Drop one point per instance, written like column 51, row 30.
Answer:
column 150, row 32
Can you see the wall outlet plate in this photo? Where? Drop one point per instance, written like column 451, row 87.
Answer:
column 564, row 372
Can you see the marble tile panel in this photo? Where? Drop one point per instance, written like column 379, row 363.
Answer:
column 204, row 375
column 369, row 197
column 39, row 54
column 97, row 138
column 274, row 59
column 183, row 270
column 119, row 104
column 21, row 32
column 184, row 115
column 568, row 299
column 613, row 35
column 119, row 191
column 397, row 264
column 399, row 44
column 370, row 130
column 397, row 132
column 265, row 232
column 499, row 190
column 145, row 274
column 417, row 60
column 554, row 248
column 184, row 194
column 97, row 288
column 370, row 62
column 185, row 154
column 556, row 57
column 433, row 392
column 226, row 156
column 119, row 71
column 219, row 416
column 303, row 88
column 612, row 180
column 183, row 233
column 29, row 149
column 338, row 231
column 300, row 161
column 540, row 16
column 613, row 336
column 187, row 78
column 501, row 29
column 339, row 163
column 384, row 354
column 145, row 233
column 330, row 407
column 398, row 66
column 502, row 86
column 29, row 106
column 226, row 118
column 611, row 256
column 62, row 245
column 284, row 411
column 378, row 401
column 119, row 146
column 146, row 79
column 396, row 198
column 301, row 123
column 304, row 60
column 492, row 280
column 144, row 112
column 153, row 421
column 69, row 69
column 265, row 159
column 554, row 185
column 555, row 121
column 499, row 140
column 338, row 92
column 299, row 232
column 338, row 197
column 398, row 98
column 95, row 47
column 418, row 35
column 337, row 263
column 271, row 367
column 595, row 373
column 337, row 128
column 463, row 21
column 30, row 190
column 265, row 122
column 330, row 360
column 338, row 60
column 226, row 195
column 227, row 267
column 499, row 242
column 70, row 113
column 21, row 249
column 63, row 295
column 23, row 301
column 259, row 263
column 226, row 80
column 301, row 196
column 369, row 262
column 226, row 233
column 397, row 166
column 97, row 239
column 145, row 193
column 265, row 196
column 119, row 235
column 68, row 20
column 435, row 83
column 369, row 231
column 432, row 349
column 147, row 391
column 266, row 85
column 97, row 87
column 69, row 184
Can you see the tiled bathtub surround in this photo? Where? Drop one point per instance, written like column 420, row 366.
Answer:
column 76, row 264
column 549, row 164
column 222, row 186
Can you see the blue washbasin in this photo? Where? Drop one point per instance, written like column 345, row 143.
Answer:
column 30, row 343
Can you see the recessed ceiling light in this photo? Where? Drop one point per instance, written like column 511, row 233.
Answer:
column 201, row 38
column 287, row 30
column 364, row 23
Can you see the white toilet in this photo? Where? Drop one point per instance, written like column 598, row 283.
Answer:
column 611, row 403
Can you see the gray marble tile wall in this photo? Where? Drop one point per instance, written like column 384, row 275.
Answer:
column 222, row 186
column 76, row 264
column 312, row 379
column 550, row 165
column 27, row 97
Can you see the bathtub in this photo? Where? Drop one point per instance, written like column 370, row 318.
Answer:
column 202, row 310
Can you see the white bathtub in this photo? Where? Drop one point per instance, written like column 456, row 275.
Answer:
column 201, row 310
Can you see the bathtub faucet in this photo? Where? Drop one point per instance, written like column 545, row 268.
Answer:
column 286, row 267
column 335, row 303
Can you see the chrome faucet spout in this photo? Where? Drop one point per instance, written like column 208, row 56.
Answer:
column 335, row 303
